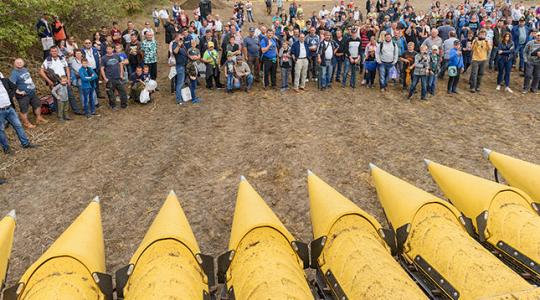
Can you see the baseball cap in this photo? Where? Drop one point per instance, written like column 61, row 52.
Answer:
column 251, row 29
column 434, row 47
column 210, row 44
column 522, row 19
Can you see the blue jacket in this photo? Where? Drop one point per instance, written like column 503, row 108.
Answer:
column 43, row 30
column 515, row 35
column 88, row 76
column 96, row 54
column 295, row 49
column 507, row 51
column 455, row 60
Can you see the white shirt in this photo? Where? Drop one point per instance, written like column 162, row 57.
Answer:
column 302, row 53
column 163, row 14
column 218, row 26
column 329, row 53
column 323, row 13
column 89, row 54
column 155, row 14
column 58, row 65
column 4, row 97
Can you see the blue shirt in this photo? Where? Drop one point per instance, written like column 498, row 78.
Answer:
column 23, row 80
column 252, row 46
column 272, row 51
column 181, row 57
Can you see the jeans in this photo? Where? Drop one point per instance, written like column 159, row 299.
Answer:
column 337, row 68
column 312, row 68
column 414, row 83
column 285, row 78
column 10, row 116
column 493, row 57
column 432, row 84
column 230, row 82
column 88, row 100
column 453, row 83
column 348, row 66
column 326, row 74
column 192, row 88
column 532, row 73
column 246, row 81
column 250, row 16
column 370, row 77
column 519, row 51
column 477, row 72
column 116, row 85
column 384, row 74
column 270, row 68
column 504, row 67
column 180, row 80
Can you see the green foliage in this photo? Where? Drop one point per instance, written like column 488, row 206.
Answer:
column 18, row 36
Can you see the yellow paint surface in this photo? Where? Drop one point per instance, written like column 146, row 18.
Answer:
column 62, row 278
column 7, row 229
column 363, row 266
column 166, row 270
column 265, row 267
column 437, row 237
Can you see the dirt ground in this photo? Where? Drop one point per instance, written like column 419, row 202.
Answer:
column 134, row 157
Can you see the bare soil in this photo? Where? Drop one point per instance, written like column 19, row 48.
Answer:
column 134, row 157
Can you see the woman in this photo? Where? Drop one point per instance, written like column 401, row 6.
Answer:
column 75, row 64
column 505, row 56
column 71, row 45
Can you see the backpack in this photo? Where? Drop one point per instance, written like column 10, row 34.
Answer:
column 47, row 105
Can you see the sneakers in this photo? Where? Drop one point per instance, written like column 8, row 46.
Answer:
column 507, row 89
column 498, row 88
column 8, row 151
column 30, row 146
column 2, row 181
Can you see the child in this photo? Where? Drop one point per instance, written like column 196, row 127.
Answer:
column 421, row 71
column 285, row 64
column 435, row 67
column 88, row 77
column 407, row 58
column 370, row 68
column 60, row 92
column 229, row 71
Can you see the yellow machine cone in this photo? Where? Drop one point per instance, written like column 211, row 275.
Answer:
column 69, row 268
column 353, row 250
column 263, row 263
column 7, row 229
column 502, row 215
column 518, row 173
column 435, row 240
column 165, row 264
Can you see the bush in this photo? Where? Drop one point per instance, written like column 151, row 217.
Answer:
column 82, row 17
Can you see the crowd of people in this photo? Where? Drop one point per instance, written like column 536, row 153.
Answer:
column 387, row 42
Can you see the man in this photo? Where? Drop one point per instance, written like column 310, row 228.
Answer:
column 324, row 12
column 313, row 41
column 92, row 55
column 531, row 53
column 480, row 55
column 269, row 58
column 149, row 49
column 243, row 73
column 299, row 51
column 52, row 69
column 135, row 54
column 498, row 33
column 126, row 34
column 387, row 55
column 434, row 39
column 520, row 36
column 251, row 52
column 325, row 55
column 340, row 55
column 45, row 34
column 208, row 37
column 181, row 57
column 26, row 93
column 8, row 115
column 444, row 30
column 112, row 71
column 353, row 57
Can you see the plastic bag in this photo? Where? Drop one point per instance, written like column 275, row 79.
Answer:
column 145, row 96
column 393, row 73
column 186, row 94
column 151, row 85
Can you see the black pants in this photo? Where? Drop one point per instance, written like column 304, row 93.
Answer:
column 452, row 83
column 270, row 69
column 153, row 70
column 312, row 68
column 116, row 85
column 212, row 76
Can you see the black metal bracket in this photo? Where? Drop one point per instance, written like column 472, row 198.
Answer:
column 519, row 257
column 496, row 175
column 323, row 290
column 206, row 262
column 315, row 249
column 445, row 286
column 481, row 223
column 419, row 278
column 105, row 284
column 224, row 261
column 401, row 236
column 389, row 237
column 230, row 294
column 467, row 223
column 337, row 291
column 536, row 207
column 11, row 292
column 121, row 277
column 302, row 250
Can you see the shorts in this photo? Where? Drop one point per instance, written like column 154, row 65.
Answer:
column 156, row 22
column 28, row 100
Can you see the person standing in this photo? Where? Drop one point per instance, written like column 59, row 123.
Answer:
column 59, row 32
column 249, row 11
column 353, row 58
column 455, row 67
column 194, row 55
column 88, row 78
column 251, row 51
column 112, row 72
column 45, row 34
column 285, row 64
column 387, row 55
column 520, row 35
column 93, row 57
column 25, row 93
column 313, row 41
column 149, row 49
column 337, row 66
column 421, row 67
column 269, row 58
column 480, row 55
column 435, row 61
column 531, row 54
column 54, row 67
column 61, row 94
column 210, row 58
column 299, row 51
column 181, row 57
column 505, row 55
column 325, row 55
column 156, row 19
column 8, row 115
